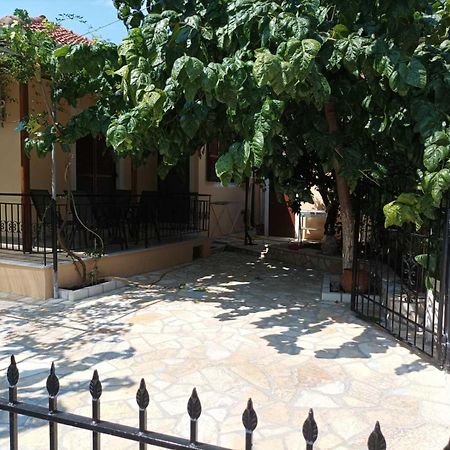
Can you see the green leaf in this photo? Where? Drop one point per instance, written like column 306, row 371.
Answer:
column 257, row 147
column 434, row 155
column 340, row 31
column 436, row 184
column 193, row 68
column 414, row 73
column 267, row 70
column 60, row 52
column 428, row 262
column 192, row 118
column 225, row 167
column 402, row 210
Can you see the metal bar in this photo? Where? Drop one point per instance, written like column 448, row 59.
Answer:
column 13, row 434
column 6, row 226
column 96, row 419
column 104, row 427
column 248, row 440
column 355, row 255
column 444, row 287
column 142, row 426
column 53, row 427
column 194, row 431
column 446, row 312
column 2, row 228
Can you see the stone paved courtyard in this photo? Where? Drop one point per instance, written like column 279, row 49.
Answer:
column 234, row 326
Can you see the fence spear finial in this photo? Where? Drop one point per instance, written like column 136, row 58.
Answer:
column 95, row 386
column 13, row 373
column 310, row 429
column 142, row 397
column 52, row 382
column 249, row 417
column 194, row 406
column 376, row 439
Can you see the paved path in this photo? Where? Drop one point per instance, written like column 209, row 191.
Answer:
column 234, row 327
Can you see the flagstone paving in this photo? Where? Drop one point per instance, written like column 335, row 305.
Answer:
column 234, row 326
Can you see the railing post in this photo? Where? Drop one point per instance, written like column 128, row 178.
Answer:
column 142, row 399
column 53, row 389
column 95, row 388
column 310, row 430
column 194, row 408
column 250, row 421
column 13, row 379
column 27, row 240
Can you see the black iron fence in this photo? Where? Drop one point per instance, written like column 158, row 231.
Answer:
column 140, row 434
column 98, row 223
column 401, row 277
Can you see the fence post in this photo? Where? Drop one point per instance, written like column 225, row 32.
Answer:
column 446, row 294
column 355, row 263
column 142, row 400
column 13, row 378
column 250, row 421
column 376, row 439
column 53, row 389
column 310, row 430
column 194, row 408
column 95, row 388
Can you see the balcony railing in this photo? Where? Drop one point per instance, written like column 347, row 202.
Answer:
column 91, row 223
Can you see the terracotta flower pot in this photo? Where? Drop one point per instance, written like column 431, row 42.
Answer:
column 362, row 281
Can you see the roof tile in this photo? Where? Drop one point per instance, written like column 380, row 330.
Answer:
column 58, row 33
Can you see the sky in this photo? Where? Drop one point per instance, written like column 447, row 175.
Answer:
column 97, row 13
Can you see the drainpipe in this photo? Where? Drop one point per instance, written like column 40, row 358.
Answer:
column 54, row 215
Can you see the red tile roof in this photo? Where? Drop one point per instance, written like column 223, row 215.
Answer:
column 58, row 33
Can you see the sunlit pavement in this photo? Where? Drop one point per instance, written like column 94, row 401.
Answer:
column 233, row 326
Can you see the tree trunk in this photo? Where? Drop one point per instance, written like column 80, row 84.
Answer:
column 343, row 191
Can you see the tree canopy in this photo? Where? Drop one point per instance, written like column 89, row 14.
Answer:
column 257, row 74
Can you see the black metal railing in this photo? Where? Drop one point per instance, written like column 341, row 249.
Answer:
column 400, row 277
column 140, row 434
column 98, row 223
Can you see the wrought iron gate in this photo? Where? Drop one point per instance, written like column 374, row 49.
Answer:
column 401, row 277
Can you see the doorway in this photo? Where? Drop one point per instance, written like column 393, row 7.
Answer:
column 96, row 167
column 177, row 181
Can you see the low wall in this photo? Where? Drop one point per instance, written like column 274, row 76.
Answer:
column 27, row 279
column 309, row 259
column 31, row 280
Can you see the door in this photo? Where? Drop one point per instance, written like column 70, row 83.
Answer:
column 96, row 168
column 281, row 217
column 175, row 202
column 177, row 181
